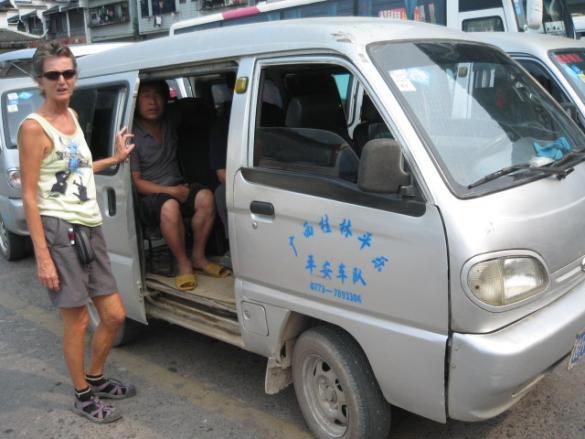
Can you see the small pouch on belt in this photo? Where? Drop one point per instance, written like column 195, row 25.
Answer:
column 83, row 244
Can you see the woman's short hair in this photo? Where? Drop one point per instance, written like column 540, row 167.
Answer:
column 50, row 49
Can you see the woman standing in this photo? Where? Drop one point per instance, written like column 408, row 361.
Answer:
column 58, row 191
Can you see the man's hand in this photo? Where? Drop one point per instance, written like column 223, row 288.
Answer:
column 180, row 192
column 123, row 148
column 47, row 272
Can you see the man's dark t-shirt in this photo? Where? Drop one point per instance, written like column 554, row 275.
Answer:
column 156, row 162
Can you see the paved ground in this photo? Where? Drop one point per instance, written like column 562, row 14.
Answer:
column 191, row 386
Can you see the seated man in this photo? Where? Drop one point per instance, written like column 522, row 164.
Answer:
column 165, row 198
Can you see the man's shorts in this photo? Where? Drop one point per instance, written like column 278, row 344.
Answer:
column 77, row 283
column 151, row 205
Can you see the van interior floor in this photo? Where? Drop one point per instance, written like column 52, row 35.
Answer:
column 209, row 309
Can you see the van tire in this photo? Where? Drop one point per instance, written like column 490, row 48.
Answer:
column 328, row 364
column 12, row 246
column 129, row 330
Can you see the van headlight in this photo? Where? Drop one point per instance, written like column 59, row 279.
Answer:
column 14, row 178
column 507, row 280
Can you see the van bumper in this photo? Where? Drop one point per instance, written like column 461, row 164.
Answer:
column 488, row 373
column 12, row 212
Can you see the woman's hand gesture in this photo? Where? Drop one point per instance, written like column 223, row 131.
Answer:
column 123, row 148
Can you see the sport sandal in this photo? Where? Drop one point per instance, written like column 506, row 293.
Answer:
column 113, row 389
column 96, row 410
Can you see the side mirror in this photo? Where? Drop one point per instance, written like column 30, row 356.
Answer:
column 380, row 168
column 534, row 10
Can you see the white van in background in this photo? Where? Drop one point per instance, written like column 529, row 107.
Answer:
column 20, row 96
column 557, row 63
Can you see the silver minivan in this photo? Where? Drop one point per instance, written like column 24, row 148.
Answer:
column 19, row 98
column 405, row 214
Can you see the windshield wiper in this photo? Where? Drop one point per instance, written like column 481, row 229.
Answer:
column 560, row 173
column 572, row 156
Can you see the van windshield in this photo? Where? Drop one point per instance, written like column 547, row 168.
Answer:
column 16, row 105
column 572, row 64
column 479, row 113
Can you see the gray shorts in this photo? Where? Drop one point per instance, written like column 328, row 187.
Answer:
column 77, row 282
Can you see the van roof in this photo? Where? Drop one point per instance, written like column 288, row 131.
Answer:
column 528, row 42
column 23, row 57
column 327, row 33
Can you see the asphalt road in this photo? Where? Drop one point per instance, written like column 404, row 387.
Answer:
column 191, row 386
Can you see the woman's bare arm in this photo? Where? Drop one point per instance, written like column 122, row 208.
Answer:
column 34, row 145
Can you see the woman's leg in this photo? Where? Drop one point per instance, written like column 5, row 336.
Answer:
column 112, row 314
column 75, row 322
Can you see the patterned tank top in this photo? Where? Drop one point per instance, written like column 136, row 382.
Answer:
column 66, row 186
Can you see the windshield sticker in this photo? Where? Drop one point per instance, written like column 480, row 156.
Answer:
column 12, row 96
column 402, row 81
column 12, row 108
column 331, row 275
column 567, row 58
column 25, row 95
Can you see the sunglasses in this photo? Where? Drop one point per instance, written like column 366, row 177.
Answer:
column 54, row 75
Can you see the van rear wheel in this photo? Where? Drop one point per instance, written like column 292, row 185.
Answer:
column 12, row 246
column 336, row 388
column 129, row 331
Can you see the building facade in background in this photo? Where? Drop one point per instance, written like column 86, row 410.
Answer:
column 89, row 21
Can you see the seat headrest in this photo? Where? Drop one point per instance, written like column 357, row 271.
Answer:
column 368, row 111
column 316, row 111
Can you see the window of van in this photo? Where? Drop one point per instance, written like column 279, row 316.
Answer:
column 480, row 113
column 572, row 64
column 97, row 117
column 309, row 143
column 483, row 24
column 16, row 105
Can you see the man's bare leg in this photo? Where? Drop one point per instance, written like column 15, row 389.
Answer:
column 202, row 223
column 173, row 232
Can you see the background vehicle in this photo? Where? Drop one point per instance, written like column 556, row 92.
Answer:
column 558, row 64
column 19, row 97
column 545, row 16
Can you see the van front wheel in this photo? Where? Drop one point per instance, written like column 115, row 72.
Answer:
column 336, row 388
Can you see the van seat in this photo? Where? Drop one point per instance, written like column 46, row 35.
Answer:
column 306, row 150
column 371, row 126
column 317, row 111
column 193, row 141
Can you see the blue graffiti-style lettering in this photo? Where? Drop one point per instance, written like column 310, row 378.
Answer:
column 341, row 274
column 357, row 277
column 366, row 240
column 324, row 224
column 379, row 263
column 310, row 267
column 326, row 270
column 308, row 230
column 345, row 228
column 291, row 243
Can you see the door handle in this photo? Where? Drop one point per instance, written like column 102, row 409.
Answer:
column 262, row 208
column 111, row 201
